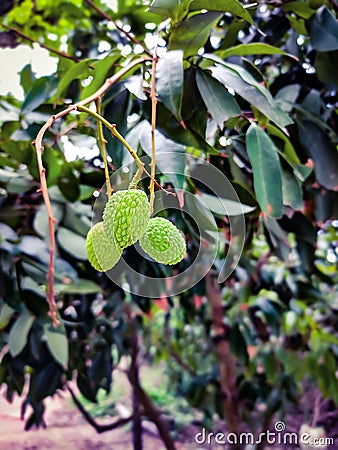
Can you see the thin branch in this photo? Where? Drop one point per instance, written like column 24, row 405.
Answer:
column 140, row 165
column 50, row 49
column 153, row 97
column 43, row 182
column 129, row 36
column 98, row 427
column 102, row 145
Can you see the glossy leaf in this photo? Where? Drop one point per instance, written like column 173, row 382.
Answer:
column 78, row 70
column 72, row 243
column 6, row 313
column 232, row 6
column 57, row 343
column 169, row 81
column 220, row 103
column 193, row 33
column 323, row 29
column 266, row 170
column 255, row 48
column 99, row 73
column 224, row 206
column 236, row 78
column 19, row 332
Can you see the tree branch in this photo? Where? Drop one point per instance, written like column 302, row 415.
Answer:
column 129, row 36
column 50, row 49
column 98, row 427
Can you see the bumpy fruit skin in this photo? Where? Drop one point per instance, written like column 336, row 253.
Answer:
column 126, row 217
column 163, row 241
column 102, row 253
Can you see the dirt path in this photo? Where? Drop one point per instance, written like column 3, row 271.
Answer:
column 66, row 430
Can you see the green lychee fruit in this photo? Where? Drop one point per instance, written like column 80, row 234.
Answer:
column 126, row 216
column 102, row 253
column 163, row 241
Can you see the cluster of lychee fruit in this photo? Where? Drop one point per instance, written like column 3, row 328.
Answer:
column 126, row 220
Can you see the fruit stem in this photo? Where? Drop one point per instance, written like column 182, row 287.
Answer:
column 102, row 144
column 153, row 97
column 140, row 165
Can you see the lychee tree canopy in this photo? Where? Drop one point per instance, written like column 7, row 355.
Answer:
column 251, row 87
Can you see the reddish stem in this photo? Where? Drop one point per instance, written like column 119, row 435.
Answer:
column 43, row 181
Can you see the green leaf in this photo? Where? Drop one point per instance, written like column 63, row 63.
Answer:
column 42, row 90
column 241, row 81
column 6, row 313
column 322, row 151
column 68, row 183
column 72, row 243
column 99, row 73
column 287, row 96
column 170, row 156
column 224, row 206
column 163, row 7
column 41, row 222
column 323, row 29
column 300, row 8
column 220, row 103
column 78, row 70
column 232, row 6
column 193, row 33
column 266, row 171
column 57, row 343
column 254, row 48
column 292, row 190
column 81, row 286
column 19, row 333
column 27, row 77
column 289, row 152
column 169, row 81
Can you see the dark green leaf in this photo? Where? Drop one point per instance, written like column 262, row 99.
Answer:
column 300, row 8
column 287, row 96
column 232, row 6
column 57, row 343
column 170, row 156
column 322, row 151
column 68, row 183
column 6, row 313
column 27, row 77
column 220, row 103
column 193, row 33
column 42, row 90
column 292, row 190
column 19, row 333
column 169, row 81
column 78, row 70
column 266, row 170
column 72, row 243
column 238, row 79
column 323, row 29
